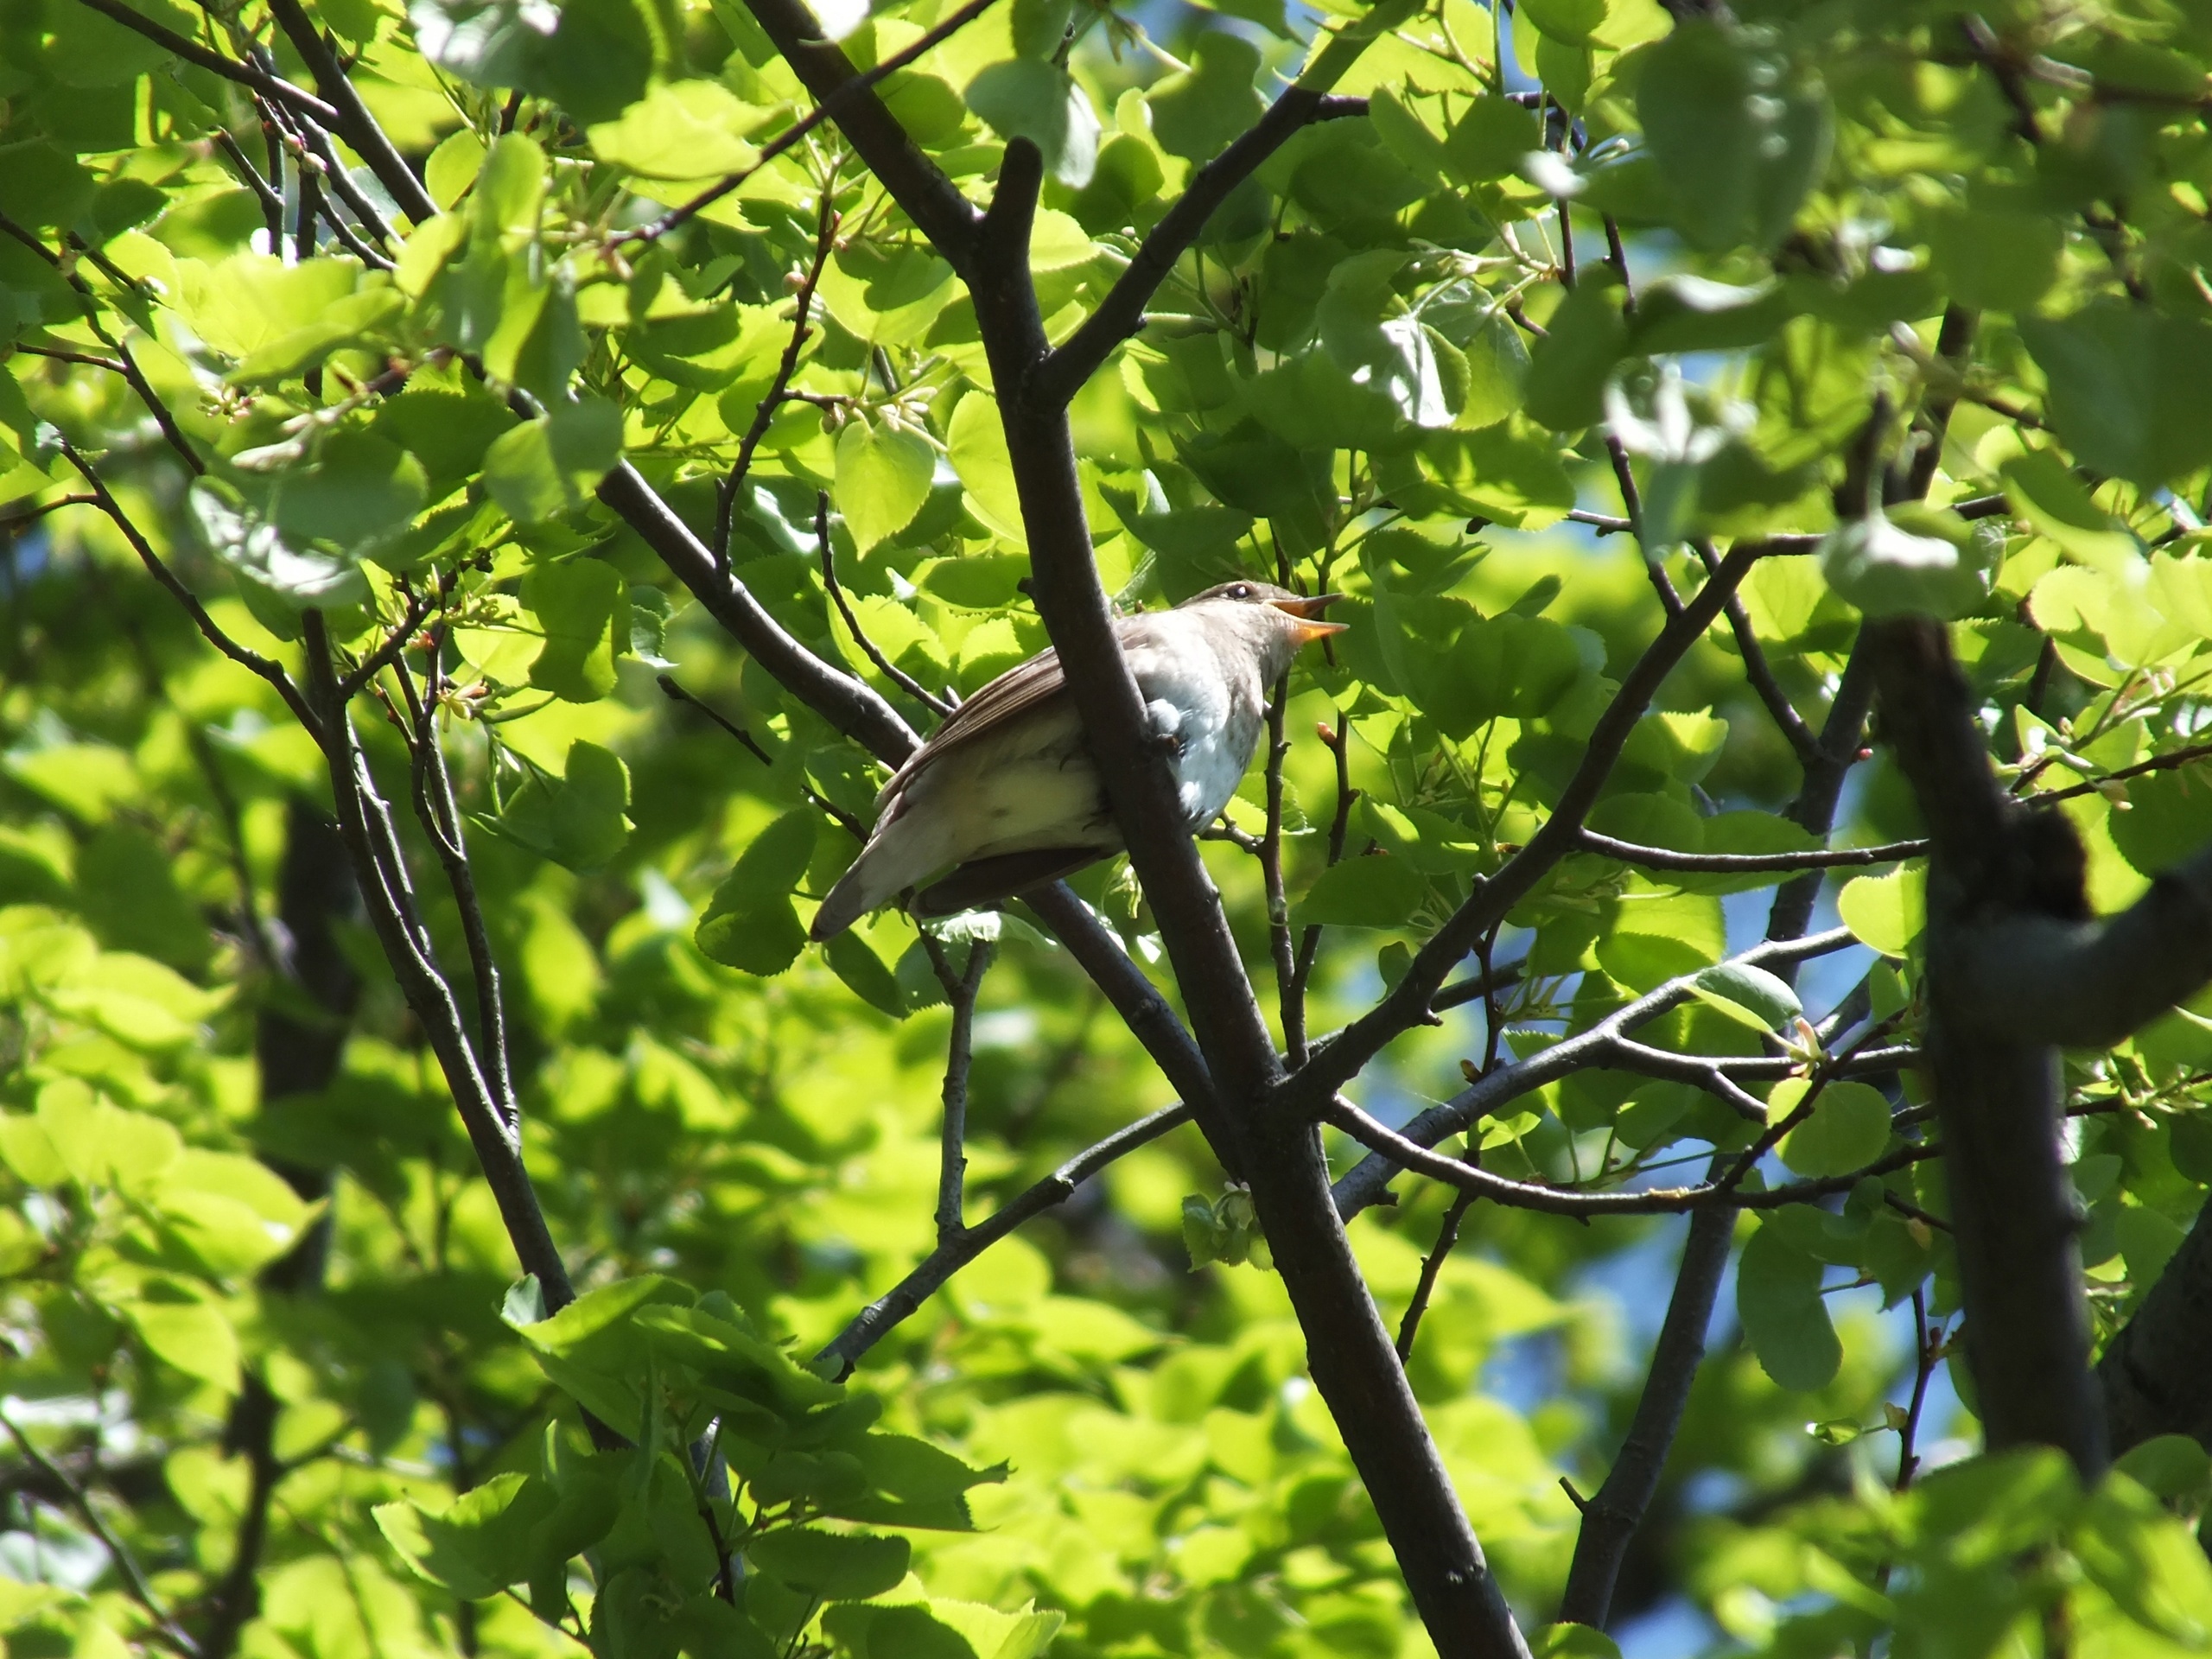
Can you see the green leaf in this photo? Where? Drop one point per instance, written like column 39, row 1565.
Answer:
column 1879, row 564
column 897, row 1633
column 1748, row 995
column 295, row 578
column 2131, row 388
column 1041, row 102
column 191, row 1335
column 1885, row 912
column 1848, row 1130
column 1377, row 890
column 2002, row 261
column 1197, row 112
column 446, row 432
column 359, row 490
column 2174, row 1467
column 583, row 607
column 1520, row 666
column 2169, row 818
column 580, row 821
column 1785, row 1318
column 1571, row 1642
column 1739, row 138
column 1040, row 26
column 2146, row 1560
column 975, row 444
column 883, row 477
column 835, row 1566
column 681, row 130
column 549, row 465
column 864, row 973
column 1568, row 369
column 749, row 924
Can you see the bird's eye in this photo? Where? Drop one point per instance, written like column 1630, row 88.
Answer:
column 1240, row 591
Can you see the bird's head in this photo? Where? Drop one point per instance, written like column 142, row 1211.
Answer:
column 1295, row 617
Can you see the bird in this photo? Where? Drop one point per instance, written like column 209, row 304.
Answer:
column 1004, row 793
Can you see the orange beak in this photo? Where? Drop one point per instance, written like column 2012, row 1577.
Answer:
column 1308, row 611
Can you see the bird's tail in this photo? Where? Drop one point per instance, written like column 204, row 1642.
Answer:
column 893, row 859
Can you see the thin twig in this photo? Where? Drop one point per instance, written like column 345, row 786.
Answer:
column 1817, row 858
column 1433, row 1264
column 1341, row 1114
column 1336, row 738
column 253, row 661
column 675, row 693
column 960, row 992
column 881, row 1316
column 16, row 517
column 269, row 85
column 779, row 389
column 1799, row 736
column 884, row 665
column 272, row 202
column 126, row 1566
column 826, row 110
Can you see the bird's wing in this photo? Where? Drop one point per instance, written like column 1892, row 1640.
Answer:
column 1015, row 692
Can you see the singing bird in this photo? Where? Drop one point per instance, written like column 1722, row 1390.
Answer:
column 1005, row 794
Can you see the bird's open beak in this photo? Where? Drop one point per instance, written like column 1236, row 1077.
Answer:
column 1308, row 611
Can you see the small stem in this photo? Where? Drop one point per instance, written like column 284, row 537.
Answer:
column 726, row 498
column 884, row 665
column 960, row 990
column 1432, row 1265
column 126, row 1566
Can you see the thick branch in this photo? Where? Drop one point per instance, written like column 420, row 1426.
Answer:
column 847, row 703
column 1611, row 1518
column 1120, row 313
column 2089, row 984
column 1139, row 782
column 1996, row 867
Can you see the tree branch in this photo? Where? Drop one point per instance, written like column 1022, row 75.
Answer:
column 960, row 992
column 1996, row 869
column 880, row 1317
column 1665, row 858
column 1366, row 1182
column 1759, row 673
column 931, row 199
column 492, row 1131
column 350, row 117
column 270, row 86
column 830, row 108
column 884, row 665
column 253, row 661
column 1568, row 1201
column 1408, row 1004
column 765, row 415
column 126, row 1566
column 1120, row 313
column 1614, row 1512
